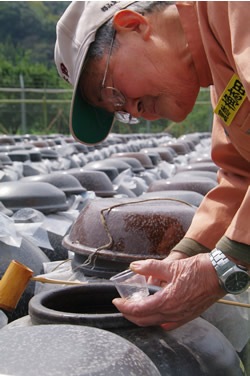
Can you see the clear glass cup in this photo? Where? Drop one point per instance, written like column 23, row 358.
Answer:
column 130, row 285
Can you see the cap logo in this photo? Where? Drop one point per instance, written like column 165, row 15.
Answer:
column 65, row 72
column 108, row 6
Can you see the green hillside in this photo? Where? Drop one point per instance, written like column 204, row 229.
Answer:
column 30, row 26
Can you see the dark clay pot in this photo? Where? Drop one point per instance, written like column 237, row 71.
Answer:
column 48, row 153
column 37, row 195
column 70, row 350
column 195, row 174
column 111, row 171
column 199, row 166
column 193, row 137
column 180, row 147
column 138, row 228
column 81, row 148
column 40, row 144
column 35, row 155
column 96, row 181
column 6, row 140
column 19, row 155
column 197, row 184
column 193, row 198
column 108, row 162
column 196, row 348
column 66, row 182
column 153, row 155
column 165, row 153
column 200, row 159
column 134, row 163
column 143, row 158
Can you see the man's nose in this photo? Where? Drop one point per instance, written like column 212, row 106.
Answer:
column 134, row 107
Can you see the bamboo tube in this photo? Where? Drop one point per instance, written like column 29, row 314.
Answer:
column 13, row 284
column 238, row 304
column 57, row 281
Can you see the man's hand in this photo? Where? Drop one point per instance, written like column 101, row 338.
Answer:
column 189, row 286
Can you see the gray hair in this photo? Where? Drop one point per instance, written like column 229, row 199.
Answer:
column 105, row 32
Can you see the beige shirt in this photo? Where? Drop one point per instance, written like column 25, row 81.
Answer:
column 218, row 34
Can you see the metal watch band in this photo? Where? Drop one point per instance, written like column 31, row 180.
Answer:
column 220, row 262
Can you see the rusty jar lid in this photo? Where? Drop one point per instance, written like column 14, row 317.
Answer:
column 123, row 230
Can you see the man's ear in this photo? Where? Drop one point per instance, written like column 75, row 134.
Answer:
column 128, row 20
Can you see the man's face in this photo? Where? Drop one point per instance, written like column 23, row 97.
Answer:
column 155, row 81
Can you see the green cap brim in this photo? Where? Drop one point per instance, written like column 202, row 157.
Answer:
column 89, row 124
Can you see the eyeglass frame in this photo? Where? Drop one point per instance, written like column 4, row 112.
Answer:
column 122, row 116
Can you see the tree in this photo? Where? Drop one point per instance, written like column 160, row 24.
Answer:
column 31, row 25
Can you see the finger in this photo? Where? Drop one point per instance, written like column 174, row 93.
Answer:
column 146, row 307
column 158, row 319
column 131, row 307
column 171, row 325
column 157, row 269
column 152, row 320
column 135, row 312
column 140, row 315
column 175, row 324
column 138, row 308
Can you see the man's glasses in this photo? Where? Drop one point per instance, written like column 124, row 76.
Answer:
column 113, row 96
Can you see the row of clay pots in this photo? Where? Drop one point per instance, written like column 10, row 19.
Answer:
column 141, row 208
column 134, row 226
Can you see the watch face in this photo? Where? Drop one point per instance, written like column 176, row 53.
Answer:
column 236, row 282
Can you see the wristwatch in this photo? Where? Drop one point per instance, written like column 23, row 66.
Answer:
column 233, row 278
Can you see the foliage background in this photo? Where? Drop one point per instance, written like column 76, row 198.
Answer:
column 27, row 39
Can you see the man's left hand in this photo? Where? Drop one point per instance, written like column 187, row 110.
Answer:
column 189, row 286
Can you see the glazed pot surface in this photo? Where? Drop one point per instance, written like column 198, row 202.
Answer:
column 197, row 184
column 64, row 350
column 137, row 226
column 37, row 195
column 196, row 348
column 120, row 231
column 96, row 181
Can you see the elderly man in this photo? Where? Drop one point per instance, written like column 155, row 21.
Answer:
column 149, row 59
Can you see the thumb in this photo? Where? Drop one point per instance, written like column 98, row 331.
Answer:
column 152, row 267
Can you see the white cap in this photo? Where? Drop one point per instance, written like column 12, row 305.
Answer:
column 76, row 30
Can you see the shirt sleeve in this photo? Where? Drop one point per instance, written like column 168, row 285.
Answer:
column 222, row 220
